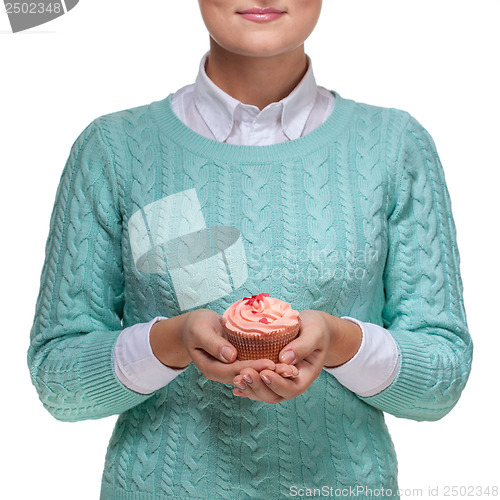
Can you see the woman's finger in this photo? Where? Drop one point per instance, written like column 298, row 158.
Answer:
column 226, row 372
column 313, row 336
column 286, row 388
column 213, row 344
column 300, row 348
column 287, row 371
column 255, row 388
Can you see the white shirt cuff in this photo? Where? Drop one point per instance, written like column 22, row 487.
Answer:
column 374, row 367
column 135, row 364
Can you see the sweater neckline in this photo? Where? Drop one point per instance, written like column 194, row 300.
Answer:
column 182, row 135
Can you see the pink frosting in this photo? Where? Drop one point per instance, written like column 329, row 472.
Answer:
column 259, row 314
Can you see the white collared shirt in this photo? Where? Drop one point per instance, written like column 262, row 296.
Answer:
column 212, row 113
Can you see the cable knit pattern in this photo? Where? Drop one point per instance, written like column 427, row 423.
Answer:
column 346, row 261
column 319, row 210
column 170, row 155
column 226, row 426
column 370, row 184
column 290, row 176
column 352, row 219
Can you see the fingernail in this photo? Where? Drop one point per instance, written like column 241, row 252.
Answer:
column 247, row 379
column 241, row 386
column 266, row 379
column 226, row 353
column 288, row 357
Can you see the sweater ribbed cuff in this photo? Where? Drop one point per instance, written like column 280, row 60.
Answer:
column 412, row 381
column 98, row 377
column 110, row 492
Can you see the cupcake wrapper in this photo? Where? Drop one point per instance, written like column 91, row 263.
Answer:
column 266, row 346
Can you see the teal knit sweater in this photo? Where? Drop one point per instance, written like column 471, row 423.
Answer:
column 352, row 219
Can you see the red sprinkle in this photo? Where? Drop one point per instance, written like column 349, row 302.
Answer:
column 263, row 320
column 253, row 298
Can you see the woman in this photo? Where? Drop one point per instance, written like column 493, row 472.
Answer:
column 252, row 179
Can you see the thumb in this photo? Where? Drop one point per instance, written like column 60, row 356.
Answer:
column 298, row 349
column 219, row 347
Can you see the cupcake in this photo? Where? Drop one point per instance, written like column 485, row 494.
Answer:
column 260, row 326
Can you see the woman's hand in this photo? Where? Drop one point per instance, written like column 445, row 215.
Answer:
column 324, row 340
column 302, row 361
column 197, row 336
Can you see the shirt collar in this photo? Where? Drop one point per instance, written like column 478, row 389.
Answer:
column 218, row 109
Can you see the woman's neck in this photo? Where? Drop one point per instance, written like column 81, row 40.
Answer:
column 254, row 80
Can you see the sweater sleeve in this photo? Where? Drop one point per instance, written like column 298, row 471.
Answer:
column 424, row 309
column 79, row 308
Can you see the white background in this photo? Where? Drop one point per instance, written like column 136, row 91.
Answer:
column 436, row 59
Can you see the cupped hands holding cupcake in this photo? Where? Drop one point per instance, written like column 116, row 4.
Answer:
column 261, row 345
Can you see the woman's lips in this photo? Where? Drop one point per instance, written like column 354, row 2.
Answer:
column 261, row 15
